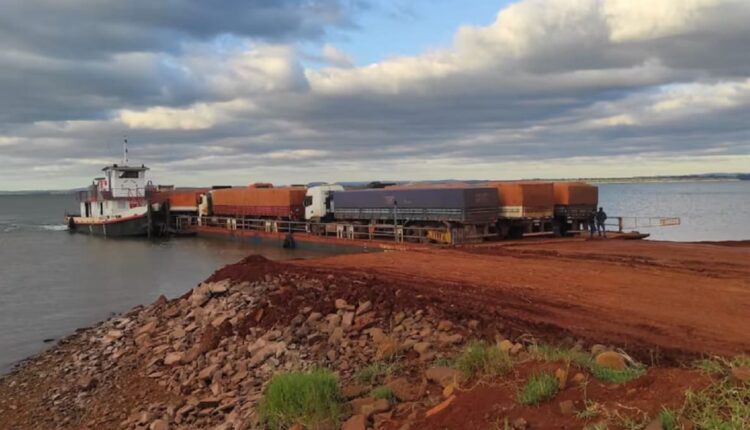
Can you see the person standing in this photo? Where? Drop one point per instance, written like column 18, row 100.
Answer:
column 592, row 223
column 601, row 218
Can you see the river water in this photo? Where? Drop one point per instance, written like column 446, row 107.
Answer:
column 52, row 282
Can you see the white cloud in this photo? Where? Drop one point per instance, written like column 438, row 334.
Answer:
column 336, row 56
column 553, row 85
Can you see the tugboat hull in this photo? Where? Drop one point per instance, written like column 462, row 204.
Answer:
column 123, row 227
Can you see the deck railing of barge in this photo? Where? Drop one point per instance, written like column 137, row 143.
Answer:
column 350, row 231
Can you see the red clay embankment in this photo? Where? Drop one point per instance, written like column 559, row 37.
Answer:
column 677, row 298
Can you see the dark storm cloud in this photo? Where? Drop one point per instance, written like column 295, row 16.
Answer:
column 64, row 60
column 90, row 28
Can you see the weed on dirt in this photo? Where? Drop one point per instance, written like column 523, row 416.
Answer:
column 591, row 410
column 669, row 419
column 311, row 399
column 539, row 388
column 373, row 373
column 724, row 405
column 481, row 359
column 383, row 392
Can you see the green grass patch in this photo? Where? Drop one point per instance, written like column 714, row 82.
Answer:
column 383, row 392
column 585, row 360
column 375, row 372
column 613, row 376
column 311, row 399
column 721, row 366
column 669, row 419
column 552, row 353
column 539, row 388
column 724, row 405
column 480, row 359
column 712, row 366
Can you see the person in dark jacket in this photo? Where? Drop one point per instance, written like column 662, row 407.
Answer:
column 601, row 218
column 592, row 223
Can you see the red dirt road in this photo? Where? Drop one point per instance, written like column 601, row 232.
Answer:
column 679, row 299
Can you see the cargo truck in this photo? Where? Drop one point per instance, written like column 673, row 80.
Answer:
column 255, row 202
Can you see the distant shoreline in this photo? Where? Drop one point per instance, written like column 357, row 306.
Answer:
column 633, row 180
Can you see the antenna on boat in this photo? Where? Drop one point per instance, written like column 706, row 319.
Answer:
column 125, row 150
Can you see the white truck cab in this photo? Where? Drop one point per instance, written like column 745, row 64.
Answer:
column 318, row 201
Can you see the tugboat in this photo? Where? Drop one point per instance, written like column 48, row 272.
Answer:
column 118, row 203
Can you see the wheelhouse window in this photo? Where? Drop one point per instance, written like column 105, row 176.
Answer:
column 129, row 174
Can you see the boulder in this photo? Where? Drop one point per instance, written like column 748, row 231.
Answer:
column 369, row 405
column 387, row 348
column 199, row 296
column 364, row 307
column 450, row 339
column 611, row 360
column 208, row 403
column 356, row 422
column 158, row 425
column 173, row 358
column 87, row 382
column 147, row 328
column 444, row 325
column 208, row 372
column 444, row 376
column 353, row 390
column 348, row 319
column 262, row 355
column 404, row 390
column 220, row 287
column 341, row 304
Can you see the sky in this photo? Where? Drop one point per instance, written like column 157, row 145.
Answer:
column 297, row 91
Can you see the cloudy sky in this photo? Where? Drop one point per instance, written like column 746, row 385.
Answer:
column 240, row 91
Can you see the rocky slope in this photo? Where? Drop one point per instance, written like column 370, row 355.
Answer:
column 203, row 360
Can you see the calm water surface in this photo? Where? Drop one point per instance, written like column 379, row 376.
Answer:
column 52, row 282
column 708, row 210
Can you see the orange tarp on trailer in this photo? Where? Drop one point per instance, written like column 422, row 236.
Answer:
column 275, row 202
column 189, row 198
column 576, row 193
column 525, row 199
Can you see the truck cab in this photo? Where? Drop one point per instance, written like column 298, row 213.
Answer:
column 318, row 202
